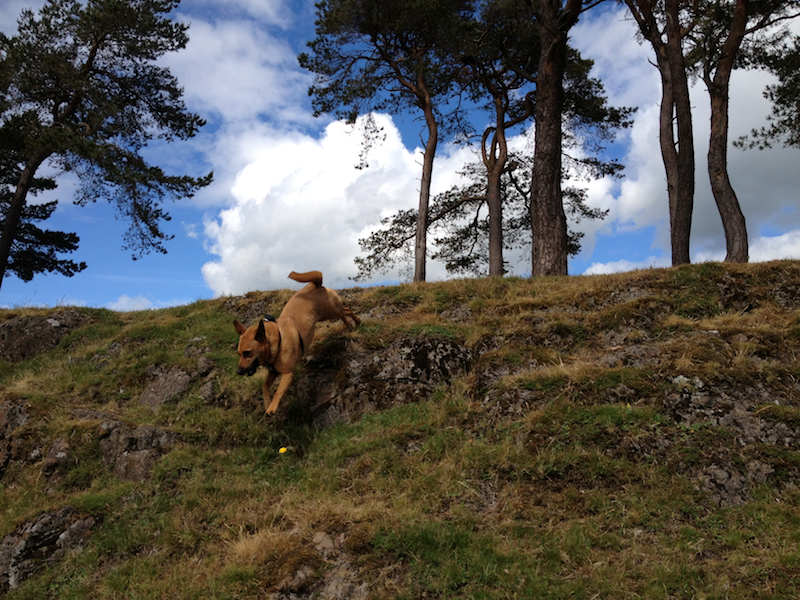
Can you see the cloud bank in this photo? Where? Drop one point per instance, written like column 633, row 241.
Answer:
column 301, row 204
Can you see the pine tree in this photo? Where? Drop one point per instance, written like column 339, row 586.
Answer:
column 81, row 89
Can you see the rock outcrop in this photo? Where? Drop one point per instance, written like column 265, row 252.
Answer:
column 343, row 380
column 41, row 542
column 13, row 416
column 22, row 338
column 131, row 452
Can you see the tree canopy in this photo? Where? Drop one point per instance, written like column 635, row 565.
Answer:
column 498, row 73
column 34, row 250
column 81, row 88
column 373, row 55
column 460, row 221
column 783, row 61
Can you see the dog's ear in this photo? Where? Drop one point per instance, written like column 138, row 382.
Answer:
column 240, row 329
column 261, row 334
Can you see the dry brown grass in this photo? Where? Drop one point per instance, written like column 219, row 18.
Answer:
column 567, row 477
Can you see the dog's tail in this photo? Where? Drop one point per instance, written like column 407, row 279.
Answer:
column 314, row 277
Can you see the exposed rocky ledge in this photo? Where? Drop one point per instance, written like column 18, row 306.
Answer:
column 22, row 338
column 40, row 542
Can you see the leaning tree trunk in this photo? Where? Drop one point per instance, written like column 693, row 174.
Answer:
column 733, row 221
column 421, row 240
column 548, row 221
column 18, row 200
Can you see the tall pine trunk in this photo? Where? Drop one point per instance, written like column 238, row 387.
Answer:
column 548, row 221
column 495, row 205
column 681, row 176
column 733, row 221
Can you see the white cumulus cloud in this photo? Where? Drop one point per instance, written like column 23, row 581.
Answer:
column 300, row 204
column 127, row 304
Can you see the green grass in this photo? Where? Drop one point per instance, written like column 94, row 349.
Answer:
column 434, row 330
column 564, row 479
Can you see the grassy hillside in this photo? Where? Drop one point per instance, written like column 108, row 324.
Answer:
column 614, row 437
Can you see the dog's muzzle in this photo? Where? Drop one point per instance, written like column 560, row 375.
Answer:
column 250, row 370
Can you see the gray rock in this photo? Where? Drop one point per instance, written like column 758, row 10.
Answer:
column 725, row 485
column 166, row 387
column 131, row 453
column 341, row 579
column 40, row 543
column 12, row 417
column 57, row 457
column 343, row 381
column 457, row 314
column 22, row 338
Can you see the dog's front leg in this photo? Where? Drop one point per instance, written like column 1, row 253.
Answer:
column 286, row 379
column 265, row 389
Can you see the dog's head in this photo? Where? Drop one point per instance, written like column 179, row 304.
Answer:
column 254, row 347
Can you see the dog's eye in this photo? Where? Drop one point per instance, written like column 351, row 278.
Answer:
column 246, row 353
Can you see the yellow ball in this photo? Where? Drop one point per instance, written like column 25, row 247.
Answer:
column 282, row 450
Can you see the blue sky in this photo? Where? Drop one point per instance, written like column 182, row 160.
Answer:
column 286, row 196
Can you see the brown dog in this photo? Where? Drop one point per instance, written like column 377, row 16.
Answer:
column 280, row 344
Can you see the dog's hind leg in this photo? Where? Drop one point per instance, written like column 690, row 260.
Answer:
column 352, row 315
column 286, row 379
